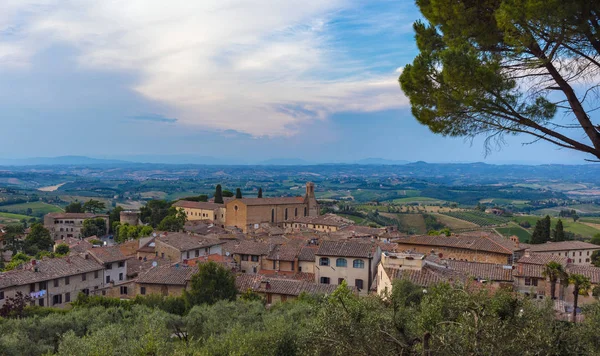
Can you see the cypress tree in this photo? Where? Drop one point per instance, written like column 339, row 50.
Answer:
column 537, row 237
column 546, row 225
column 260, row 192
column 218, row 195
column 559, row 232
column 238, row 193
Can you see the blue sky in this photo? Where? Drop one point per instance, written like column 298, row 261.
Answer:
column 250, row 80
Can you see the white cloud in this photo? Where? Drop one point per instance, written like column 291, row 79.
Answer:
column 259, row 67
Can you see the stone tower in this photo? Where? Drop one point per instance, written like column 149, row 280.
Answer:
column 310, row 200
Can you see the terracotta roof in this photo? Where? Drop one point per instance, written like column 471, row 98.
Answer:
column 49, row 269
column 364, row 230
column 307, row 253
column 76, row 215
column 487, row 271
column 529, row 270
column 135, row 265
column 284, row 253
column 281, row 286
column 327, row 219
column 593, row 273
column 488, row 243
column 108, row 254
column 346, row 249
column 564, row 245
column 269, row 201
column 76, row 246
column 170, row 275
column 197, row 205
column 186, row 242
column 543, row 259
column 252, row 248
column 202, row 227
column 426, row 276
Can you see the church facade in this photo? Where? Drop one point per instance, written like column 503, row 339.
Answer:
column 249, row 213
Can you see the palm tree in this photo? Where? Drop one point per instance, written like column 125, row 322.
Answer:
column 554, row 271
column 581, row 286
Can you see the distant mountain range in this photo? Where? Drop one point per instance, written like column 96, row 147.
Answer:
column 59, row 161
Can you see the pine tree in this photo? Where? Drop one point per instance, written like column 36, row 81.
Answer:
column 537, row 237
column 260, row 192
column 559, row 232
column 238, row 193
column 218, row 195
column 546, row 225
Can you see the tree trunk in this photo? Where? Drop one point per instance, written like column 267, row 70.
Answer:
column 575, row 300
column 553, row 289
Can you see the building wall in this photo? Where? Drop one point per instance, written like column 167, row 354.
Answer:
column 306, row 266
column 76, row 285
column 578, row 257
column 316, row 227
column 162, row 289
column 285, row 266
column 542, row 290
column 115, row 271
column 458, row 253
column 349, row 273
column 245, row 216
column 200, row 252
column 124, row 290
column 249, row 266
column 166, row 251
column 129, row 217
column 61, row 228
column 384, row 282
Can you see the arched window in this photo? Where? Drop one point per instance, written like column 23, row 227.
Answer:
column 324, row 261
column 304, row 211
column 295, row 212
column 341, row 262
column 285, row 213
column 358, row 264
column 272, row 215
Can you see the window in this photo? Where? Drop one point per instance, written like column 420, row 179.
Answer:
column 1, row 295
column 580, row 253
column 32, row 287
column 67, row 297
column 527, row 281
column 295, row 211
column 123, row 290
column 41, row 302
column 340, row 280
column 162, row 255
column 244, row 257
column 359, row 283
column 107, row 279
column 56, row 282
column 57, row 299
column 358, row 264
column 42, row 285
column 120, row 276
column 285, row 213
column 588, row 253
column 95, row 274
column 341, row 262
column 84, row 276
column 143, row 290
column 587, row 260
column 122, row 264
column 272, row 215
column 67, row 281
column 304, row 211
column 324, row 261
column 109, row 266
column 254, row 258
column 580, row 260
column 197, row 252
column 85, row 291
column 324, row 280
column 274, row 264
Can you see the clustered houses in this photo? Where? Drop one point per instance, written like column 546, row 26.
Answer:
column 578, row 252
column 178, row 247
column 202, row 211
column 69, row 225
column 322, row 223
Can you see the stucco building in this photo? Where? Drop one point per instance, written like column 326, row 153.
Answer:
column 250, row 213
column 202, row 211
column 178, row 247
column 578, row 252
column 275, row 290
column 351, row 261
column 321, row 223
column 65, row 225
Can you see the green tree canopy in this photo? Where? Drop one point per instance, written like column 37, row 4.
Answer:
column 218, row 194
column 74, row 207
column 37, row 240
column 228, row 194
column 154, row 212
column 114, row 216
column 94, row 206
column 559, row 231
column 96, row 226
column 505, row 67
column 238, row 193
column 12, row 238
column 211, row 283
column 581, row 286
column 62, row 249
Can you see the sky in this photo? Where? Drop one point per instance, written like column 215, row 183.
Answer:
column 239, row 79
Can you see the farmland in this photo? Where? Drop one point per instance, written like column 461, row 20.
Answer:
column 578, row 228
column 38, row 208
column 521, row 233
column 477, row 217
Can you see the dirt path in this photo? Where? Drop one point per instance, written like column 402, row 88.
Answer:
column 51, row 188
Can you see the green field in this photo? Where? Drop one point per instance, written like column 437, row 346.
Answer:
column 357, row 219
column 521, row 233
column 478, row 217
column 454, row 223
column 38, row 208
column 7, row 218
column 417, row 200
column 574, row 227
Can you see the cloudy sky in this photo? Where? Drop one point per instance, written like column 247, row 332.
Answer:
column 245, row 79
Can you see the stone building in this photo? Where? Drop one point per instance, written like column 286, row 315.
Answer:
column 178, row 247
column 166, row 281
column 202, row 211
column 481, row 247
column 53, row 281
column 65, row 225
column 352, row 261
column 275, row 290
column 129, row 217
column 578, row 252
column 321, row 223
column 250, row 213
column 114, row 262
